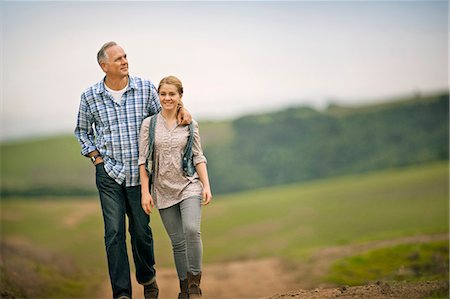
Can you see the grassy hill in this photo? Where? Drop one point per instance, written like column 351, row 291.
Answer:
column 54, row 166
column 292, row 145
column 301, row 144
column 53, row 248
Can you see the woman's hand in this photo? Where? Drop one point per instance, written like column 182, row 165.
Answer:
column 147, row 202
column 206, row 196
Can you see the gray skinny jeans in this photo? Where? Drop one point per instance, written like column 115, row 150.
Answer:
column 182, row 223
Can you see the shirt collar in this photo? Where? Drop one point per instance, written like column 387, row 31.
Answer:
column 101, row 85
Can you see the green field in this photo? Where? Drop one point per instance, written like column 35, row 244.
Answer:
column 412, row 262
column 54, row 165
column 54, row 248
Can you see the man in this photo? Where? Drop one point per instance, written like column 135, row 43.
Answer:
column 109, row 119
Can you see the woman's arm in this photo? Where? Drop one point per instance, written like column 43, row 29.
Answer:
column 200, row 165
column 146, row 198
column 203, row 175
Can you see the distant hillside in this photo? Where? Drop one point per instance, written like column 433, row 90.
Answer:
column 301, row 144
column 291, row 145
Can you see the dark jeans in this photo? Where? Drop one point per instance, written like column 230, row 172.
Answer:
column 116, row 201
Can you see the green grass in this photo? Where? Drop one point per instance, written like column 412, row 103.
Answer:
column 293, row 220
column 40, row 245
column 287, row 221
column 43, row 161
column 411, row 262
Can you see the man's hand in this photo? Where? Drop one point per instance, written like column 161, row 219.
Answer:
column 93, row 154
column 98, row 161
column 184, row 117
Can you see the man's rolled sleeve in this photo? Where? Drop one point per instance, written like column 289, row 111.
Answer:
column 84, row 131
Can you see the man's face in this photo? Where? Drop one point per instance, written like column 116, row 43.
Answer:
column 116, row 64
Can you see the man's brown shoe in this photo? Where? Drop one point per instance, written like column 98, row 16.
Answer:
column 151, row 290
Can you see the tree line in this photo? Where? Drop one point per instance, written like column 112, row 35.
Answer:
column 300, row 144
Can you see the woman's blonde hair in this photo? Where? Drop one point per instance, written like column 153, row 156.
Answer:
column 172, row 80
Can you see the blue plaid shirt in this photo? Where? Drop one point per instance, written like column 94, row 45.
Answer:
column 113, row 129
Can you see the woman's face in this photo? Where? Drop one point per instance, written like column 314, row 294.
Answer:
column 169, row 96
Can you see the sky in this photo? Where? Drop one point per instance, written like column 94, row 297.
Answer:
column 234, row 58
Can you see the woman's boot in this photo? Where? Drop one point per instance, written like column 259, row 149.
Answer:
column 194, row 285
column 183, row 289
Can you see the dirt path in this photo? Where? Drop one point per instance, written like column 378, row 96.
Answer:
column 268, row 277
column 84, row 210
column 379, row 290
column 246, row 279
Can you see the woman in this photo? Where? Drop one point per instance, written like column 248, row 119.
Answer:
column 176, row 194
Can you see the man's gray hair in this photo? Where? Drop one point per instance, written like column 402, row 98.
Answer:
column 101, row 55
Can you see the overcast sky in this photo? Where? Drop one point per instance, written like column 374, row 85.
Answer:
column 233, row 57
